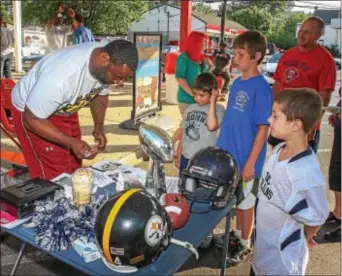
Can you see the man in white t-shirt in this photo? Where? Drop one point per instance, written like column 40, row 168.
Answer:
column 56, row 31
column 292, row 202
column 47, row 98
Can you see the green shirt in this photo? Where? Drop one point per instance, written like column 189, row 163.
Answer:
column 188, row 70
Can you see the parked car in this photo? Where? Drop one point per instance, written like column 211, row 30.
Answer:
column 271, row 64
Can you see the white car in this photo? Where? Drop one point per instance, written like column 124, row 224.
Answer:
column 269, row 68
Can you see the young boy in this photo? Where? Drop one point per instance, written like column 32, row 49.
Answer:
column 201, row 120
column 292, row 202
column 245, row 127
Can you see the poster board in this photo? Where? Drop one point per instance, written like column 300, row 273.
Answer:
column 147, row 82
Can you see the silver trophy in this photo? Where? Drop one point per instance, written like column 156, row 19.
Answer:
column 157, row 144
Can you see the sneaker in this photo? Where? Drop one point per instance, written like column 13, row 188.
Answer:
column 206, row 243
column 233, row 240
column 332, row 218
column 333, row 236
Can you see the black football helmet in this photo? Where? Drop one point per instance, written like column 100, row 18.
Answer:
column 211, row 176
column 132, row 229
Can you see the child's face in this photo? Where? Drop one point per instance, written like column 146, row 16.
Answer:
column 280, row 127
column 243, row 60
column 201, row 98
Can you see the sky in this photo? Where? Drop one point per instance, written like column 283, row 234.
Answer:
column 306, row 5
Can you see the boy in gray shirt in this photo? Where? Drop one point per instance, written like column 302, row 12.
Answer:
column 201, row 120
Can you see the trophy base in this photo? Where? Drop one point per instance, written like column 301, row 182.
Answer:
column 130, row 124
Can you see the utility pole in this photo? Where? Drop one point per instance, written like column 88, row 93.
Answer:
column 223, row 18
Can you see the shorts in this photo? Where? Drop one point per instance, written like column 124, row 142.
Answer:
column 182, row 107
column 335, row 163
column 246, row 194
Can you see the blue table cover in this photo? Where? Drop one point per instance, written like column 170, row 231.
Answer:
column 198, row 227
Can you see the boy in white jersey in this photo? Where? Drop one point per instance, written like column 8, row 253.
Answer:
column 291, row 202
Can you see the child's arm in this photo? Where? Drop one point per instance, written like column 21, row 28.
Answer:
column 177, row 135
column 179, row 149
column 212, row 122
column 248, row 171
column 310, row 232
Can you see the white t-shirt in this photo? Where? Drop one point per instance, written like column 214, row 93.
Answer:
column 291, row 194
column 59, row 83
column 57, row 37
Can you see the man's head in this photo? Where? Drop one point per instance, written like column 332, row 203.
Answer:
column 249, row 49
column 115, row 62
column 2, row 22
column 78, row 21
column 310, row 31
column 295, row 111
column 205, row 83
column 223, row 46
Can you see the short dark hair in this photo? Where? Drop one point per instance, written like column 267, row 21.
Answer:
column 319, row 22
column 223, row 44
column 304, row 104
column 206, row 82
column 122, row 52
column 79, row 18
column 252, row 41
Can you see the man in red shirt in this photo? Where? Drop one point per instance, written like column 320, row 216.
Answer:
column 307, row 65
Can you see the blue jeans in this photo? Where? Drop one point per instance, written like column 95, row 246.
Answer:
column 183, row 164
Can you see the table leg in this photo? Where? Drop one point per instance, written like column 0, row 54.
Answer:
column 17, row 262
column 225, row 245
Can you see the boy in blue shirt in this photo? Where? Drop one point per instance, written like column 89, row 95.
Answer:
column 245, row 126
column 81, row 34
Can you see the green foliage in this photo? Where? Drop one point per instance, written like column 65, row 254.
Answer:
column 200, row 7
column 102, row 17
column 254, row 18
column 333, row 49
column 4, row 13
column 285, row 37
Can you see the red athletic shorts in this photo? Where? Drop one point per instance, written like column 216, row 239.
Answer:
column 46, row 159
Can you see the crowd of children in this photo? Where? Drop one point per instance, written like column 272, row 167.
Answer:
column 284, row 197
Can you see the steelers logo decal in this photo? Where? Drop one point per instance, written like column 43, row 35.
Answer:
column 154, row 230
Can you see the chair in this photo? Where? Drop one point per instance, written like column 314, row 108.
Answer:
column 15, row 158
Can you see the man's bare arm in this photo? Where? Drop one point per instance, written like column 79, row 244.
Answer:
column 98, row 109
column 276, row 88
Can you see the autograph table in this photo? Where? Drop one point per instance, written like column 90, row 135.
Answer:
column 197, row 228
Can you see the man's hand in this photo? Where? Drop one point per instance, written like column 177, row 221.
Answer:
column 71, row 12
column 214, row 96
column 100, row 139
column 82, row 150
column 248, row 172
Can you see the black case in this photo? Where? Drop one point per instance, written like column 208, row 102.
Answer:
column 18, row 200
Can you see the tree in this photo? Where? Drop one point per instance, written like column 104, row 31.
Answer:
column 285, row 37
column 254, row 18
column 103, row 17
column 4, row 11
column 200, row 7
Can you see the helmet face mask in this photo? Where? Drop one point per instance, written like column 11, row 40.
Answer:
column 211, row 177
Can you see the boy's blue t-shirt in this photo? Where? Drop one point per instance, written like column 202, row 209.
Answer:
column 249, row 105
column 82, row 35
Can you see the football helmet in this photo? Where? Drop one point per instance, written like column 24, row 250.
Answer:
column 132, row 229
column 211, row 176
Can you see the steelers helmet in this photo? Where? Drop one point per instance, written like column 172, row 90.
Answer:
column 132, row 229
column 211, row 177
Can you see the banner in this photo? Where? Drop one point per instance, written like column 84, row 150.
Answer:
column 146, row 84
